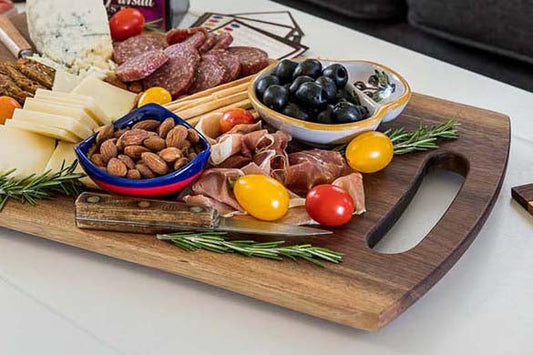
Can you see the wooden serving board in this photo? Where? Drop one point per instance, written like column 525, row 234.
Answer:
column 368, row 289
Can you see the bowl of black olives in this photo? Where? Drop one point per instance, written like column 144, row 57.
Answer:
column 316, row 100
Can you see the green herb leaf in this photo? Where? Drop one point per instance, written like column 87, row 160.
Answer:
column 215, row 242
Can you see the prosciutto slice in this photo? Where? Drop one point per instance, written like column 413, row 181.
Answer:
column 218, row 184
column 353, row 184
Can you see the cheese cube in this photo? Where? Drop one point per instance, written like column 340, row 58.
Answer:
column 69, row 124
column 25, row 151
column 52, row 132
column 87, row 102
column 74, row 111
column 115, row 102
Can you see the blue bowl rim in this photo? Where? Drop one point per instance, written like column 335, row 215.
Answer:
column 185, row 172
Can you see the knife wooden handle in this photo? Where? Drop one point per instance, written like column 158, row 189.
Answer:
column 524, row 196
column 13, row 39
column 137, row 215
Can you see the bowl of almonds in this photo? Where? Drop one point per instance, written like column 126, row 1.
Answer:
column 149, row 152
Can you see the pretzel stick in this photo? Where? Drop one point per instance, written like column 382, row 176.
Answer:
column 202, row 100
column 208, row 92
column 211, row 105
column 245, row 104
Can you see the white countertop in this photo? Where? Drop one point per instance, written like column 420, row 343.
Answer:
column 56, row 299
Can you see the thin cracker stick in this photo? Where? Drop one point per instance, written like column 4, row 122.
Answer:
column 245, row 104
column 208, row 92
column 202, row 100
column 198, row 110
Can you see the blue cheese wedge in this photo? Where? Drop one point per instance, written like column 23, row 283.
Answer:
column 73, row 34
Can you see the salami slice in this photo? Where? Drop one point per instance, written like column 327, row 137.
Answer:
column 141, row 66
column 133, row 46
column 210, row 41
column 224, row 40
column 211, row 73
column 230, row 62
column 252, row 59
column 179, row 35
column 177, row 75
column 196, row 40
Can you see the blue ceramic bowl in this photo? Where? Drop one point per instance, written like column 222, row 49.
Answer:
column 160, row 186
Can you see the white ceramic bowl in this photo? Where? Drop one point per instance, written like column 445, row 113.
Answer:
column 323, row 134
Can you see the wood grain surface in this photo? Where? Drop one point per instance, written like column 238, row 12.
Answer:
column 368, row 289
column 524, row 196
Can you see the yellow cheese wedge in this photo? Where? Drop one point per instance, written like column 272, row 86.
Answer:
column 89, row 104
column 47, row 131
column 65, row 82
column 74, row 111
column 64, row 154
column 69, row 124
column 115, row 102
column 23, row 150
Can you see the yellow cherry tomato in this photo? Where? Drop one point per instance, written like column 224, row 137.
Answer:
column 262, row 197
column 370, row 152
column 155, row 95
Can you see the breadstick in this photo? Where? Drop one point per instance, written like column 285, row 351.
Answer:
column 245, row 104
column 202, row 100
column 208, row 92
column 198, row 110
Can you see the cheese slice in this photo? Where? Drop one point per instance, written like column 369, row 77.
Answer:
column 75, row 34
column 87, row 102
column 69, row 124
column 75, row 111
column 23, row 150
column 52, row 132
column 63, row 156
column 65, row 82
column 115, row 102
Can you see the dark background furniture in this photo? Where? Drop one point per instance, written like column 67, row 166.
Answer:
column 491, row 37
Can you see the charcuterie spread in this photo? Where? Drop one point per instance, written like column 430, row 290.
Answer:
column 189, row 136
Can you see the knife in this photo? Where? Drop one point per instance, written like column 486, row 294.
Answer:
column 11, row 37
column 137, row 215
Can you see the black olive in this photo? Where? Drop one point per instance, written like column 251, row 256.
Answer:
column 326, row 116
column 311, row 94
column 287, row 87
column 345, row 112
column 329, row 86
column 264, row 83
column 284, row 70
column 299, row 81
column 295, row 111
column 276, row 97
column 309, row 67
column 338, row 73
column 345, row 95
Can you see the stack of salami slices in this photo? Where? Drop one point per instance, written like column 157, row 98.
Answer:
column 186, row 61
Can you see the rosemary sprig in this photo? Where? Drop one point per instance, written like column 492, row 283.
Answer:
column 424, row 138
column 215, row 242
column 38, row 187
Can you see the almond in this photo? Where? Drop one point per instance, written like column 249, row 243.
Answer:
column 180, row 162
column 165, row 127
column 98, row 160
column 104, row 133
column 155, row 143
column 177, row 136
column 134, row 137
column 192, row 135
column 155, row 163
column 135, row 151
column 116, row 168
column 120, row 132
column 108, row 149
column 147, row 125
column 170, row 154
column 133, row 174
column 191, row 156
column 130, row 164
column 145, row 171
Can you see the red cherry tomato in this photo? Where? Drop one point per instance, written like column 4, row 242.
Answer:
column 329, row 205
column 126, row 23
column 233, row 117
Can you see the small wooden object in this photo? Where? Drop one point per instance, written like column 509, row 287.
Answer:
column 13, row 39
column 524, row 196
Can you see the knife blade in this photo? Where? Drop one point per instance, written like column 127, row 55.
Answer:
column 138, row 215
